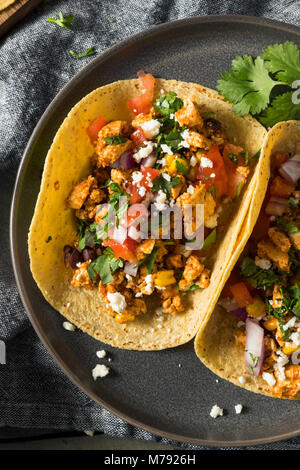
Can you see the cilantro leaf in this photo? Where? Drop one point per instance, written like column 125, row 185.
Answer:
column 281, row 109
column 168, row 104
column 283, row 61
column 104, row 265
column 286, row 225
column 90, row 51
column 149, row 260
column 233, row 158
column 161, row 184
column 210, row 239
column 115, row 140
column 183, row 168
column 247, row 85
column 63, row 22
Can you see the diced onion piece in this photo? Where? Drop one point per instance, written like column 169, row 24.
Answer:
column 255, row 347
column 276, row 206
column 290, row 170
column 131, row 269
column 134, row 233
column 149, row 161
column 125, row 162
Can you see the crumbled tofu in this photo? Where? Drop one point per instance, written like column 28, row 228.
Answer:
column 216, row 411
column 117, row 301
column 206, row 162
column 101, row 354
column 242, row 380
column 100, row 370
column 151, row 128
column 69, row 326
column 263, row 263
column 269, row 378
column 238, row 409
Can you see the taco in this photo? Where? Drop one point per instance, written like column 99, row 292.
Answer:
column 143, row 142
column 253, row 336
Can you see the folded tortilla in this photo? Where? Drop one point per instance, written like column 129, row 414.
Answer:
column 215, row 343
column 68, row 161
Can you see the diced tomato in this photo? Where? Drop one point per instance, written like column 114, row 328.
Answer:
column 147, row 79
column 241, row 294
column 279, row 158
column 134, row 212
column 138, row 137
column 233, row 279
column 123, row 250
column 95, row 127
column 281, row 188
column 261, row 227
column 220, row 180
column 143, row 103
column 236, row 182
column 149, row 175
column 235, row 150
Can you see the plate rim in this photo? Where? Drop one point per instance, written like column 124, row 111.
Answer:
column 263, row 21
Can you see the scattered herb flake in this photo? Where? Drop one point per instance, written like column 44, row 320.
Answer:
column 90, row 51
column 63, row 22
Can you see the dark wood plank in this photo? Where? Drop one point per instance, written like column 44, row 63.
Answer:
column 14, row 13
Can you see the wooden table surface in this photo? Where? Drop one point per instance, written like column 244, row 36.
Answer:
column 15, row 13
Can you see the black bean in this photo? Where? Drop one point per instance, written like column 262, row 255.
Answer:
column 72, row 256
column 88, row 254
column 212, row 125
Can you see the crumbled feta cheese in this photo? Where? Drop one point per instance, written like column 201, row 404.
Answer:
column 242, row 380
column 78, row 265
column 117, row 301
column 128, row 277
column 217, row 381
column 185, row 135
column 272, row 218
column 139, row 294
column 137, row 176
column 206, row 162
column 238, row 409
column 172, row 115
column 212, row 175
column 295, row 337
column 89, row 433
column 101, row 354
column 162, row 92
column 166, row 176
column 295, row 357
column 143, row 152
column 263, row 263
column 289, row 324
column 142, row 191
column 190, row 189
column 166, row 149
column 162, row 161
column 100, row 371
column 160, row 200
column 159, row 326
column 269, row 378
column 193, row 161
column 279, row 365
column 151, row 128
column 216, row 411
column 69, row 326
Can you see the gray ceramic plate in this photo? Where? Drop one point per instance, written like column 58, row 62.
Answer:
column 170, row 392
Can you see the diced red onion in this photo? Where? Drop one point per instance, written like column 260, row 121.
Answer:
column 255, row 347
column 131, row 269
column 134, row 233
column 290, row 170
column 120, row 234
column 233, row 307
column 125, row 162
column 149, row 161
column 276, row 206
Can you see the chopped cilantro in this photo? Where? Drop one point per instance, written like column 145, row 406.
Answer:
column 111, row 20
column 194, row 287
column 233, row 158
column 292, row 204
column 213, row 190
column 209, row 240
column 168, row 104
column 245, row 154
column 161, row 184
column 149, row 260
column 63, row 22
column 239, row 189
column 286, row 225
column 183, row 168
column 115, row 140
column 90, row 51
column 257, row 277
column 255, row 359
column 257, row 155
column 104, row 265
column 283, row 61
column 251, row 369
column 281, row 109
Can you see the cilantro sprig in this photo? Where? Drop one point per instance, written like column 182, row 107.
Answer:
column 90, row 51
column 168, row 104
column 115, row 140
column 161, row 184
column 251, row 85
column 257, row 277
column 105, row 265
column 62, row 21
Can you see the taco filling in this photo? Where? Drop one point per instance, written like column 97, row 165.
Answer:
column 264, row 290
column 168, row 155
